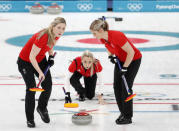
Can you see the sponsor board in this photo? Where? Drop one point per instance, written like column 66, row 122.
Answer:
column 145, row 6
column 67, row 6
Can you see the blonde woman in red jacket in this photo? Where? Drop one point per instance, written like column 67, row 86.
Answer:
column 118, row 45
column 32, row 62
column 89, row 68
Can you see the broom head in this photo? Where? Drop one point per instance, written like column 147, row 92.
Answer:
column 130, row 97
column 71, row 105
column 36, row 89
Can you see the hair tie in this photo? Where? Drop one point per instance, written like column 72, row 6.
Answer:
column 103, row 18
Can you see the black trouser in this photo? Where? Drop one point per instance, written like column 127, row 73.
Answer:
column 126, row 108
column 28, row 71
column 90, row 84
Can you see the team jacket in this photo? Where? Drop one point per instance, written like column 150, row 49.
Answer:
column 40, row 43
column 116, row 40
column 76, row 65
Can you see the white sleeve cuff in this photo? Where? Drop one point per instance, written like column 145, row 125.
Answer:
column 99, row 84
column 67, row 81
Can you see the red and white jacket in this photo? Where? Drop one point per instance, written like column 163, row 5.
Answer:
column 116, row 40
column 40, row 43
column 77, row 65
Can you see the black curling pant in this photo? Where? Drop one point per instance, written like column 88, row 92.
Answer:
column 90, row 84
column 28, row 73
column 126, row 108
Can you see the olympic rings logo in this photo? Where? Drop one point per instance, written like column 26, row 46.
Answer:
column 84, row 7
column 134, row 7
column 5, row 7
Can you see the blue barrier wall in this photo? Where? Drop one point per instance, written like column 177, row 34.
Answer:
column 68, row 6
column 95, row 5
column 146, row 6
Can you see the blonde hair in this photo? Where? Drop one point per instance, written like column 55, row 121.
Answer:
column 96, row 25
column 49, row 31
column 87, row 53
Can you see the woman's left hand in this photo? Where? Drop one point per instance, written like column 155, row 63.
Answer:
column 101, row 100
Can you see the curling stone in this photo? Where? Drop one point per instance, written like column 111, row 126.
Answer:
column 37, row 9
column 81, row 118
column 54, row 9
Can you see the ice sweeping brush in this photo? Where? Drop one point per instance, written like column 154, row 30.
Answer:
column 45, row 72
column 69, row 104
column 130, row 96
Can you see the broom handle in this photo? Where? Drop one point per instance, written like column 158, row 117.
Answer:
column 123, row 77
column 45, row 72
column 64, row 90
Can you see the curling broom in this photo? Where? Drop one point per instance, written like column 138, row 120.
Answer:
column 69, row 105
column 130, row 96
column 45, row 72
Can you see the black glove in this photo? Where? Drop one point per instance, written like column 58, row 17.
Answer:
column 67, row 98
column 123, row 71
column 112, row 59
column 51, row 60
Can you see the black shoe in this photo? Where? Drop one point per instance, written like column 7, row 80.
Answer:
column 120, row 117
column 44, row 115
column 31, row 124
column 81, row 97
column 123, row 120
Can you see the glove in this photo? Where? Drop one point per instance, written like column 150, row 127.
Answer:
column 123, row 71
column 67, row 98
column 51, row 60
column 112, row 59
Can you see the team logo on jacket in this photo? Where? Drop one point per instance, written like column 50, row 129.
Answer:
column 112, row 45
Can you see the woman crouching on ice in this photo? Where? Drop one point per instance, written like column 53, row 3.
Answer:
column 90, row 68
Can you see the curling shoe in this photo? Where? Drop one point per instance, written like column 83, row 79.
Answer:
column 31, row 124
column 44, row 115
column 122, row 120
column 81, row 97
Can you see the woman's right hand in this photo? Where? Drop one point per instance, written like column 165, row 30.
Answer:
column 41, row 76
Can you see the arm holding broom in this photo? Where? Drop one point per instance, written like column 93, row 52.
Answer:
column 68, row 100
